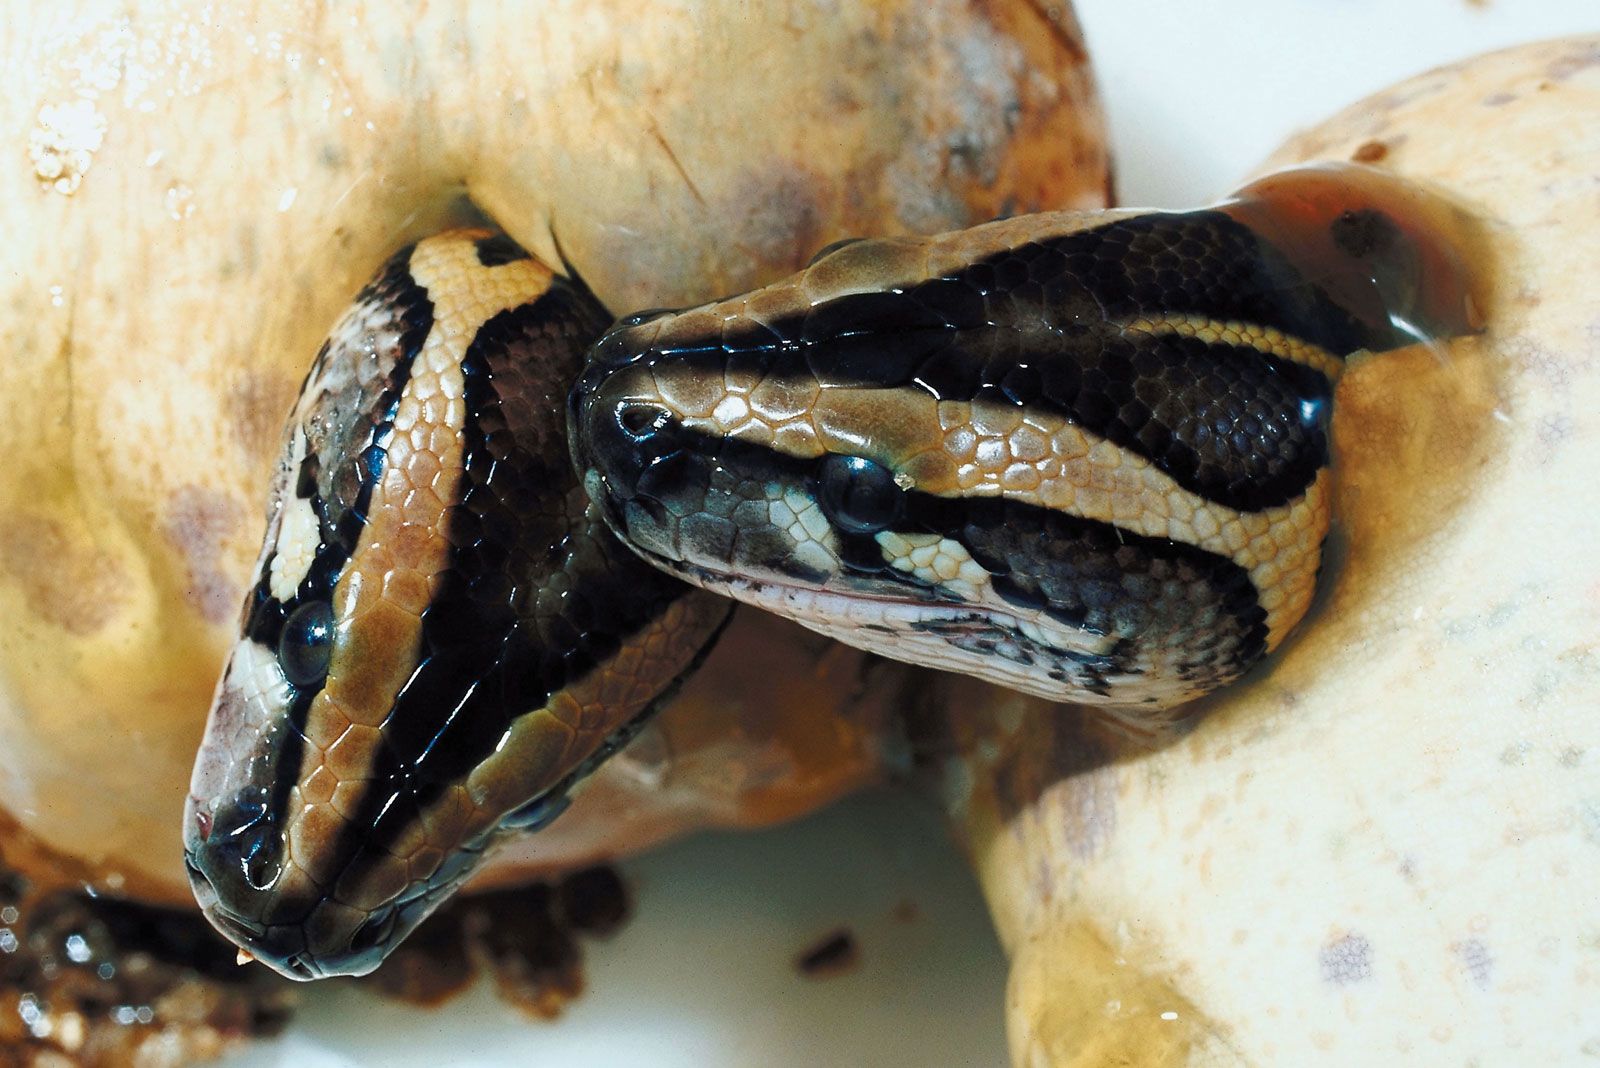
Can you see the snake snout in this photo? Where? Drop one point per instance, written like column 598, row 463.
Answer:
column 629, row 446
column 232, row 856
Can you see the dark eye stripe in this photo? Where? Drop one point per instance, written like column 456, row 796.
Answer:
column 1157, row 596
column 1151, row 594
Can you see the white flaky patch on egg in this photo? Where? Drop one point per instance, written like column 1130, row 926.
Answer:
column 299, row 534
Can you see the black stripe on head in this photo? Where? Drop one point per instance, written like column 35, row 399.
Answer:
column 1038, row 325
column 1196, row 262
column 537, row 594
column 1201, row 263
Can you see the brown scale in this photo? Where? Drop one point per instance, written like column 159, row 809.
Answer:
column 1158, row 380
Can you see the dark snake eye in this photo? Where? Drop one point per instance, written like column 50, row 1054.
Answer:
column 306, row 644
column 859, row 495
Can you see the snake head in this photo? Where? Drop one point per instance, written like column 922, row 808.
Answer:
column 442, row 637
column 1082, row 455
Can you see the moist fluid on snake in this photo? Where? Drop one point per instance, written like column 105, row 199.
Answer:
column 1083, row 455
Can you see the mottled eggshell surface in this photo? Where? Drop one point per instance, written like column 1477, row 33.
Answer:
column 191, row 197
column 1384, row 846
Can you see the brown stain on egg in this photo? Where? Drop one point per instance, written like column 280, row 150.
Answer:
column 1579, row 59
column 780, row 215
column 1073, row 794
column 199, row 523
column 1370, row 152
column 256, row 405
column 76, row 586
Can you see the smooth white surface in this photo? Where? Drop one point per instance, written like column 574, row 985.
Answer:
column 1197, row 94
column 704, row 976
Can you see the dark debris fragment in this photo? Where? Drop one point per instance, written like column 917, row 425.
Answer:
column 836, row 954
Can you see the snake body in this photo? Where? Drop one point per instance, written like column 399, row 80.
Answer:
column 1082, row 455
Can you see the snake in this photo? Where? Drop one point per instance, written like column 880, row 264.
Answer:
column 1083, row 455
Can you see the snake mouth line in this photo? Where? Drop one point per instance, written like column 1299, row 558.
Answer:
column 829, row 610
column 728, row 583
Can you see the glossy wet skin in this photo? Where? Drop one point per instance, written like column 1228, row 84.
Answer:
column 1083, row 456
column 442, row 638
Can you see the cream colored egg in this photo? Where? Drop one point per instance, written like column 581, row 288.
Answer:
column 1384, row 846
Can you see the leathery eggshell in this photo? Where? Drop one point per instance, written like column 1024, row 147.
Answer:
column 193, row 197
column 1384, row 846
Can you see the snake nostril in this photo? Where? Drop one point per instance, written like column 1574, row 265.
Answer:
column 238, row 852
column 642, row 422
column 297, row 967
column 374, row 934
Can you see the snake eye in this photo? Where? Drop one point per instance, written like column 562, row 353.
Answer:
column 858, row 494
column 306, row 644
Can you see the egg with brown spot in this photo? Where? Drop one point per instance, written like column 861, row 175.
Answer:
column 1370, row 824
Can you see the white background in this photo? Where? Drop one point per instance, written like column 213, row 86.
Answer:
column 1197, row 94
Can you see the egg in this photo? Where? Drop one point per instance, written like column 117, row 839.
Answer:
column 1384, row 844
column 202, row 191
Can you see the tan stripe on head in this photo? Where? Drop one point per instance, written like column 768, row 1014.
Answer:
column 1046, row 460
column 404, row 550
column 1265, row 339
